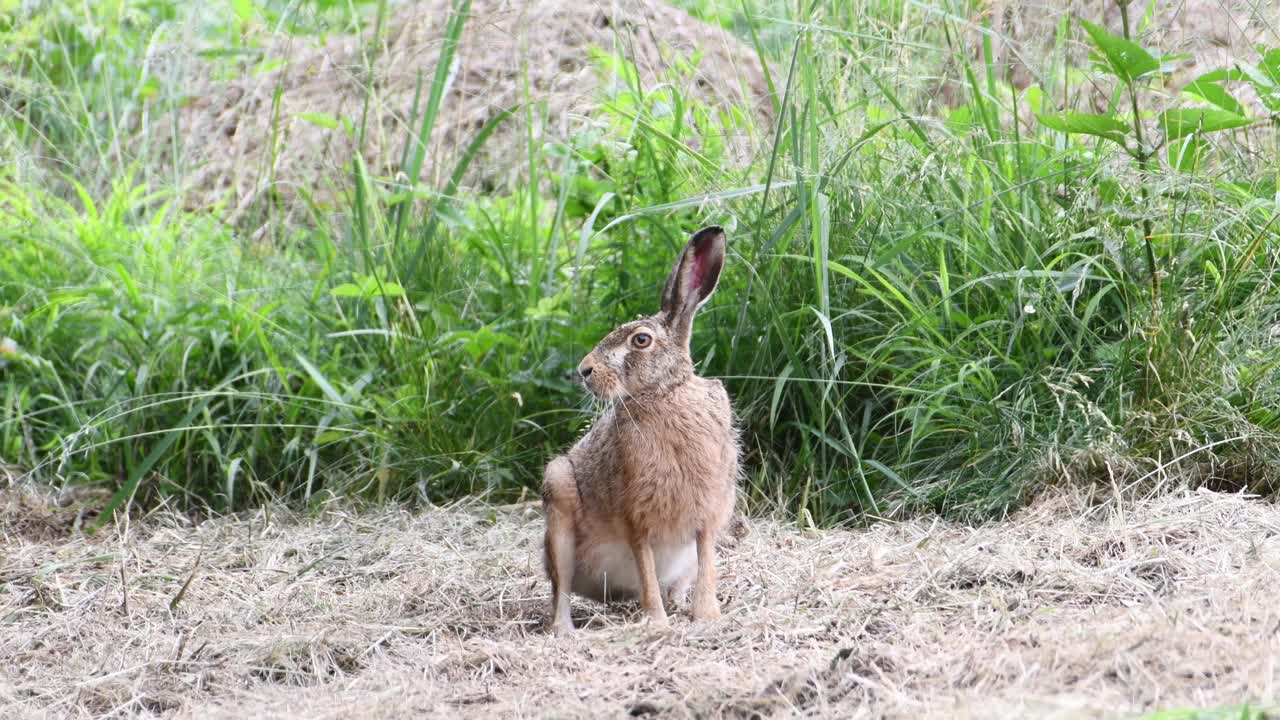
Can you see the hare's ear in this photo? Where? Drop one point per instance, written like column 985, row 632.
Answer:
column 693, row 279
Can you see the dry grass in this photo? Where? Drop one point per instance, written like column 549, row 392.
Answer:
column 1066, row 610
column 234, row 138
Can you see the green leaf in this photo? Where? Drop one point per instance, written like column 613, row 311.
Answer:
column 1185, row 121
column 373, row 288
column 451, row 214
column 1270, row 65
column 895, row 477
column 1265, row 78
column 267, row 66
column 369, row 287
column 1232, row 712
column 323, row 120
column 446, row 69
column 547, row 307
column 1185, row 154
column 130, row 486
column 331, row 436
column 960, row 120
column 130, row 287
column 1033, row 96
column 1223, row 75
column 779, row 384
column 1103, row 126
column 243, row 9
column 1127, row 59
column 320, row 380
column 477, row 343
column 1256, row 77
column 148, row 89
column 347, row 290
column 1213, row 94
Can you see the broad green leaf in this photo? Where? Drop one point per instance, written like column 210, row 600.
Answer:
column 1214, row 94
column 347, row 290
column 478, row 342
column 960, row 120
column 1184, row 121
column 1270, row 65
column 369, row 287
column 451, row 214
column 267, row 66
column 1223, row 75
column 1127, row 59
column 1185, row 154
column 243, row 9
column 1256, row 76
column 148, row 89
column 323, row 120
column 373, row 288
column 1103, row 126
column 1265, row 78
column 547, row 306
column 1033, row 96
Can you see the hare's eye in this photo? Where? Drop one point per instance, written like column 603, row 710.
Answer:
column 641, row 340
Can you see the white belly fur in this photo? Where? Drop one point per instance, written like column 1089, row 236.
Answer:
column 609, row 569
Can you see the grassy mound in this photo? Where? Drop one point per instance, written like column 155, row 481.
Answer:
column 283, row 128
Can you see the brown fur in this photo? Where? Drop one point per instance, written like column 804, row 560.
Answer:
column 653, row 482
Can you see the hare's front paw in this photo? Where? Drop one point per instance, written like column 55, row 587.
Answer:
column 657, row 617
column 562, row 628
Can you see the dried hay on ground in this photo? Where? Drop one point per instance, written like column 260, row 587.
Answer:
column 1065, row 610
column 229, row 138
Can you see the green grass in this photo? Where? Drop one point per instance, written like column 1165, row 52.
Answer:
column 923, row 308
column 1242, row 712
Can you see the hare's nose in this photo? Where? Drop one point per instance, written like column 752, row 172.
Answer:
column 584, row 370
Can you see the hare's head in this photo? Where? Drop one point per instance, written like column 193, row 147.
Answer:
column 652, row 353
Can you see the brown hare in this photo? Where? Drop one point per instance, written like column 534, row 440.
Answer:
column 633, row 509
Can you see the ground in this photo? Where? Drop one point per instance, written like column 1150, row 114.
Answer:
column 1071, row 608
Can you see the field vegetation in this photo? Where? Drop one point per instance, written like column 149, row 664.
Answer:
column 291, row 293
column 949, row 285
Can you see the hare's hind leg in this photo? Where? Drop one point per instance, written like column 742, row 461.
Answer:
column 559, row 503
